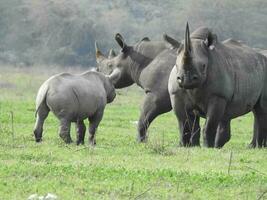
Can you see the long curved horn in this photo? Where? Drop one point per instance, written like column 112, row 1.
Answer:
column 112, row 53
column 187, row 40
column 114, row 76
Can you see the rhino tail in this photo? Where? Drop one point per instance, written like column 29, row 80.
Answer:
column 41, row 97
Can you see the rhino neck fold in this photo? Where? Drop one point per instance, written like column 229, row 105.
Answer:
column 136, row 70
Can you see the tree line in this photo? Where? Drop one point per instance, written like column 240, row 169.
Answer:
column 63, row 32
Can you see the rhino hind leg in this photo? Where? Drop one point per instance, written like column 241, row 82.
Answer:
column 81, row 129
column 152, row 107
column 260, row 134
column 64, row 130
column 93, row 124
column 41, row 115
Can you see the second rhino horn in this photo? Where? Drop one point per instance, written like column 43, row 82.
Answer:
column 111, row 54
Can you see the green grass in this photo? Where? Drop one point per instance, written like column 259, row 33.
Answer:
column 118, row 167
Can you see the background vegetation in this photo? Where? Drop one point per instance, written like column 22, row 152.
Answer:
column 63, row 32
column 118, row 167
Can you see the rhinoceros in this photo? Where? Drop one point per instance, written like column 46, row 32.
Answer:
column 73, row 98
column 220, row 81
column 148, row 64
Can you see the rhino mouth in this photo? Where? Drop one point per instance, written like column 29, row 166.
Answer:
column 189, row 85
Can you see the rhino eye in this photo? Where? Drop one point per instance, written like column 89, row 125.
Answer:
column 203, row 66
column 109, row 65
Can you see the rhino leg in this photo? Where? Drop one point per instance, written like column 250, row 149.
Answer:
column 223, row 133
column 80, row 128
column 64, row 130
column 188, row 122
column 261, row 132
column 94, row 122
column 215, row 112
column 189, row 129
column 152, row 107
column 42, row 114
column 253, row 143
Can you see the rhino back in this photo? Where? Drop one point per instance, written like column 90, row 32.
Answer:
column 74, row 96
column 149, row 49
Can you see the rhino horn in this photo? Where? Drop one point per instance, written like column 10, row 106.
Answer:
column 187, row 43
column 114, row 76
column 98, row 53
column 120, row 41
column 111, row 54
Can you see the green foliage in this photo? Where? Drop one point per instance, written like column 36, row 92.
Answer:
column 118, row 167
column 63, row 32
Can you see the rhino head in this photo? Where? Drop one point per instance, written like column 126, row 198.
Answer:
column 117, row 67
column 124, row 69
column 193, row 58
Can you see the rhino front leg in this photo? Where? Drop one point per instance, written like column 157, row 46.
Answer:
column 42, row 114
column 81, row 129
column 223, row 133
column 189, row 128
column 94, row 122
column 64, row 130
column 253, row 143
column 152, row 107
column 188, row 122
column 215, row 112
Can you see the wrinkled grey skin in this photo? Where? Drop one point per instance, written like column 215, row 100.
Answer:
column 220, row 81
column 148, row 64
column 73, row 98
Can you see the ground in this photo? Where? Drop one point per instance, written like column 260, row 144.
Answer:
column 118, row 167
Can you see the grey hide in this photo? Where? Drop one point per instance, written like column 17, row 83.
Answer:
column 73, row 98
column 220, row 81
column 148, row 64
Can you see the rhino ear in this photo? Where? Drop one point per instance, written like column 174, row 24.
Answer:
column 121, row 42
column 211, row 41
column 111, row 54
column 171, row 41
column 99, row 55
column 146, row 39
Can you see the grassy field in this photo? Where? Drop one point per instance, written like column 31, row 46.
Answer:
column 118, row 167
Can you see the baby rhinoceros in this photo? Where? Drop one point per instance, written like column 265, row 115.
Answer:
column 73, row 98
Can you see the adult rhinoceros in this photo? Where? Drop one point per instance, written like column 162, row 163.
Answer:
column 221, row 81
column 73, row 98
column 148, row 64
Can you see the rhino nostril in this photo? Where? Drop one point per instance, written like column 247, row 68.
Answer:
column 179, row 79
column 195, row 77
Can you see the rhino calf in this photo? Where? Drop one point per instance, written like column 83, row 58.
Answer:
column 73, row 98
